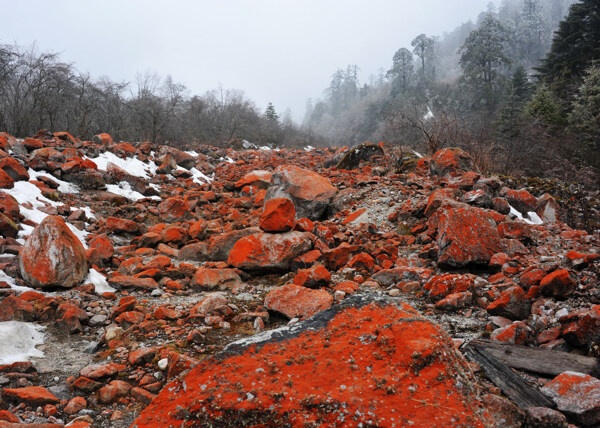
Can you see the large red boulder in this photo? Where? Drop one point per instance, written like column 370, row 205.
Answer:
column 558, row 284
column 294, row 301
column 14, row 169
column 5, row 181
column 450, row 161
column 321, row 372
column 173, row 209
column 53, row 256
column 258, row 178
column 467, row 236
column 266, row 252
column 278, row 215
column 577, row 395
column 30, row 395
column 310, row 192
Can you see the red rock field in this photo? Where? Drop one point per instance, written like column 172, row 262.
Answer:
column 146, row 286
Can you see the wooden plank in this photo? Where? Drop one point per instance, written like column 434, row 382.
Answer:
column 541, row 361
column 511, row 384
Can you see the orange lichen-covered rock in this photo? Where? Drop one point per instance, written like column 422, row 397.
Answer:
column 322, row 372
column 450, row 161
column 559, row 284
column 14, row 169
column 269, row 252
column 310, row 192
column 53, row 256
column 122, row 225
column 577, row 395
column 30, row 395
column 5, row 181
column 294, row 301
column 313, row 277
column 103, row 139
column 207, row 278
column 512, row 304
column 278, row 215
column 467, row 236
column 258, row 178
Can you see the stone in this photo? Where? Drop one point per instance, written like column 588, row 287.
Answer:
column 122, row 225
column 100, row 371
column 441, row 286
column 512, row 304
column 577, row 395
column 113, row 391
column 264, row 252
column 450, row 161
column 53, row 256
column 296, row 301
column 30, row 395
column 173, row 209
column 543, row 417
column 208, row 278
column 258, row 178
column 14, row 169
column 310, row 192
column 325, row 368
column 558, row 284
column 277, row 216
column 314, row 277
column 467, row 236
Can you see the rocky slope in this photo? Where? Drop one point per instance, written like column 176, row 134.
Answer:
column 273, row 288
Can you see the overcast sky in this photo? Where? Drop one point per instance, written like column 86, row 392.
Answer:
column 281, row 51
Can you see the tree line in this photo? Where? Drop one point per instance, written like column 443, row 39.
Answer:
column 40, row 91
column 518, row 89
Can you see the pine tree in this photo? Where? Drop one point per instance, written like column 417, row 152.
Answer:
column 270, row 114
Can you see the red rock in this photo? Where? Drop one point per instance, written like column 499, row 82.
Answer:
column 129, row 318
column 30, row 395
column 542, row 417
column 86, row 385
column 260, row 179
column 295, row 301
column 348, row 287
column 548, row 209
column 516, row 230
column 337, row 257
column 113, row 391
column 440, row 197
column 207, row 278
column 99, row 371
column 14, row 169
column 305, row 367
column 512, row 304
column 9, row 206
column 521, row 200
column 450, row 161
column 5, row 181
column 103, row 246
column 466, row 236
column 531, row 278
column 53, row 256
column 7, row 416
column 310, row 192
column 518, row 333
column 179, row 363
column 313, row 277
column 141, row 356
column 269, row 252
column 122, row 225
column 558, row 284
column 443, row 285
column 278, row 215
column 141, row 395
column 353, row 216
column 70, row 317
column 8, row 228
column 197, row 230
column 164, row 313
column 362, row 261
column 209, row 304
column 126, row 281
column 455, row 301
column 221, row 245
column 195, row 252
column 583, row 328
column 75, row 405
column 103, row 139
column 173, row 209
column 577, row 395
column 175, row 235
column 395, row 275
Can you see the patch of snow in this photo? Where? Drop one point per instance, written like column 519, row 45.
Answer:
column 63, row 186
column 309, row 148
column 11, row 282
column 192, row 153
column 533, row 217
column 80, row 234
column 248, row 145
column 229, row 160
column 417, row 154
column 124, row 189
column 133, row 165
column 100, row 283
column 199, row 177
column 18, row 341
column 265, row 148
column 88, row 212
column 154, row 186
column 429, row 114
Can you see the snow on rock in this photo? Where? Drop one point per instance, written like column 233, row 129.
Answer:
column 133, row 166
column 63, row 186
column 11, row 282
column 18, row 341
column 100, row 284
column 533, row 217
column 124, row 189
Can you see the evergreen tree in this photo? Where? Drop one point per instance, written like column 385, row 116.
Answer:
column 482, row 55
column 402, row 70
column 270, row 114
column 585, row 116
column 576, row 43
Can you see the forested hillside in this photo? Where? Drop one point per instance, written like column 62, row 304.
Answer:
column 508, row 89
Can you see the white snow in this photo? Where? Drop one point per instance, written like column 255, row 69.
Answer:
column 429, row 114
column 18, row 341
column 248, row 145
column 88, row 211
column 124, row 189
column 265, row 148
column 100, row 283
column 533, row 217
column 309, row 148
column 133, row 166
column 417, row 154
column 192, row 153
column 229, row 160
column 28, row 193
column 10, row 281
column 197, row 176
column 63, row 186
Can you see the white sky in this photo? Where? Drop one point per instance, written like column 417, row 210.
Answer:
column 283, row 51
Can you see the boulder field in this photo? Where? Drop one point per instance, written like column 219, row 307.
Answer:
column 225, row 288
